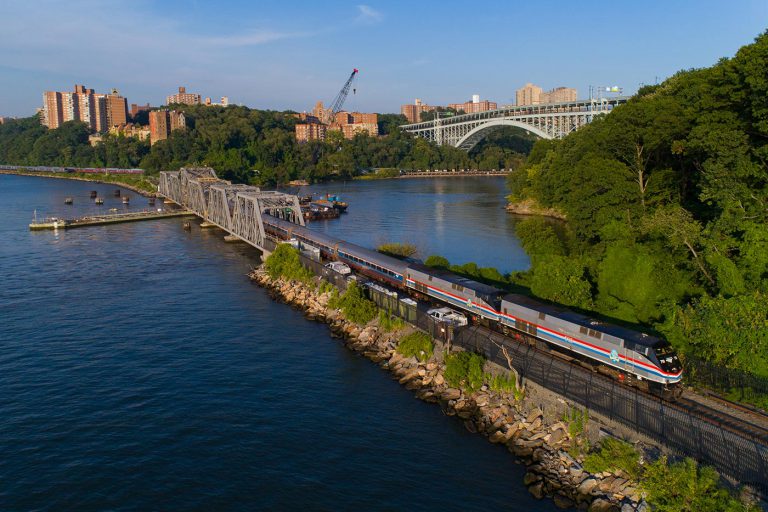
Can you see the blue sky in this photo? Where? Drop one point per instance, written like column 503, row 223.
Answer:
column 289, row 54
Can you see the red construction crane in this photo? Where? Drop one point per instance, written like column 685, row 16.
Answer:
column 338, row 101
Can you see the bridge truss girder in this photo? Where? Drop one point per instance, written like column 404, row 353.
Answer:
column 237, row 209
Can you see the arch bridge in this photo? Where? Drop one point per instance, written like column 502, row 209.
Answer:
column 237, row 209
column 548, row 121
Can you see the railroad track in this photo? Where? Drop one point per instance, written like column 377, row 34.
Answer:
column 722, row 419
column 750, row 428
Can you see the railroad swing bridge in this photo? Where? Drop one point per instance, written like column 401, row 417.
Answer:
column 548, row 121
column 237, row 209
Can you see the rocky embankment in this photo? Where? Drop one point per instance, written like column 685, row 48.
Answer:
column 540, row 444
column 530, row 207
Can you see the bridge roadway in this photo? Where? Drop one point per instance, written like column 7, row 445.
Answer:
column 548, row 121
column 237, row 209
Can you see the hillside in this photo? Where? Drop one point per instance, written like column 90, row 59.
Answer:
column 237, row 140
column 667, row 207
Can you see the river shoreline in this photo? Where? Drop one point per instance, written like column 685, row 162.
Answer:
column 529, row 207
column 121, row 184
column 538, row 440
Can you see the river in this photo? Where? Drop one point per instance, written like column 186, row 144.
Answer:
column 141, row 370
column 460, row 218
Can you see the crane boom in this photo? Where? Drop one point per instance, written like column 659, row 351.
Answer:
column 338, row 101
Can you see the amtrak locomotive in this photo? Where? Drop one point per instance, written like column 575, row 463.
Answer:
column 630, row 355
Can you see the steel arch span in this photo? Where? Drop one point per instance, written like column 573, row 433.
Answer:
column 481, row 131
column 549, row 121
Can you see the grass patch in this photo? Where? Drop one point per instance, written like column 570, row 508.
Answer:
column 354, row 305
column 418, row 345
column 464, row 370
column 398, row 250
column 501, row 383
column 325, row 287
column 389, row 322
column 577, row 420
column 614, row 454
column 285, row 262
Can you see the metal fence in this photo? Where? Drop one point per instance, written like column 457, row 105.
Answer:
column 684, row 433
column 735, row 456
column 741, row 385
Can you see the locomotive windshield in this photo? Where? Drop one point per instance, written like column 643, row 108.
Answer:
column 667, row 357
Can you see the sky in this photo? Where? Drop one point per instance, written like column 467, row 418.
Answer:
column 288, row 54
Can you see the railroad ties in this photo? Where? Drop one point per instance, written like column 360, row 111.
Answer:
column 237, row 209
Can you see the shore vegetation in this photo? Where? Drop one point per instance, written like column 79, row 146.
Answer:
column 667, row 207
column 416, row 344
column 398, row 249
column 252, row 146
column 285, row 262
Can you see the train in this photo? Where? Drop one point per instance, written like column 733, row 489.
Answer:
column 65, row 170
column 633, row 357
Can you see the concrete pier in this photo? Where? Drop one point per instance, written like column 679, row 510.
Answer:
column 97, row 220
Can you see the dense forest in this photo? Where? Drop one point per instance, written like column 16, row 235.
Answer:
column 667, row 207
column 252, row 146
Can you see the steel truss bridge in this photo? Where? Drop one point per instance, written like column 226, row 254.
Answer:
column 237, row 209
column 549, row 121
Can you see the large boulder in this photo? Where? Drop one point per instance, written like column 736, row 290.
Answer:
column 537, row 490
column 601, row 505
column 585, row 487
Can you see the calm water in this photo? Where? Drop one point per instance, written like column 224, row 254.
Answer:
column 462, row 219
column 140, row 370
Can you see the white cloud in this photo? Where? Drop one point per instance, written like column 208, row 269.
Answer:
column 367, row 14
column 254, row 38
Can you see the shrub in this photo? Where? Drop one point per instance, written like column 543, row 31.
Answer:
column 436, row 261
column 326, row 287
column 354, row 305
column 614, row 454
column 285, row 262
column 389, row 322
column 686, row 487
column 418, row 345
column 398, row 250
column 464, row 370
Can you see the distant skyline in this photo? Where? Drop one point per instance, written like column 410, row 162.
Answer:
column 288, row 55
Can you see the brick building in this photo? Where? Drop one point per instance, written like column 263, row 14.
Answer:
column 558, row 95
column 474, row 106
column 310, row 131
column 183, row 97
column 413, row 112
column 531, row 94
column 135, row 109
column 163, row 122
column 528, row 94
column 131, row 130
column 315, row 126
column 98, row 111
